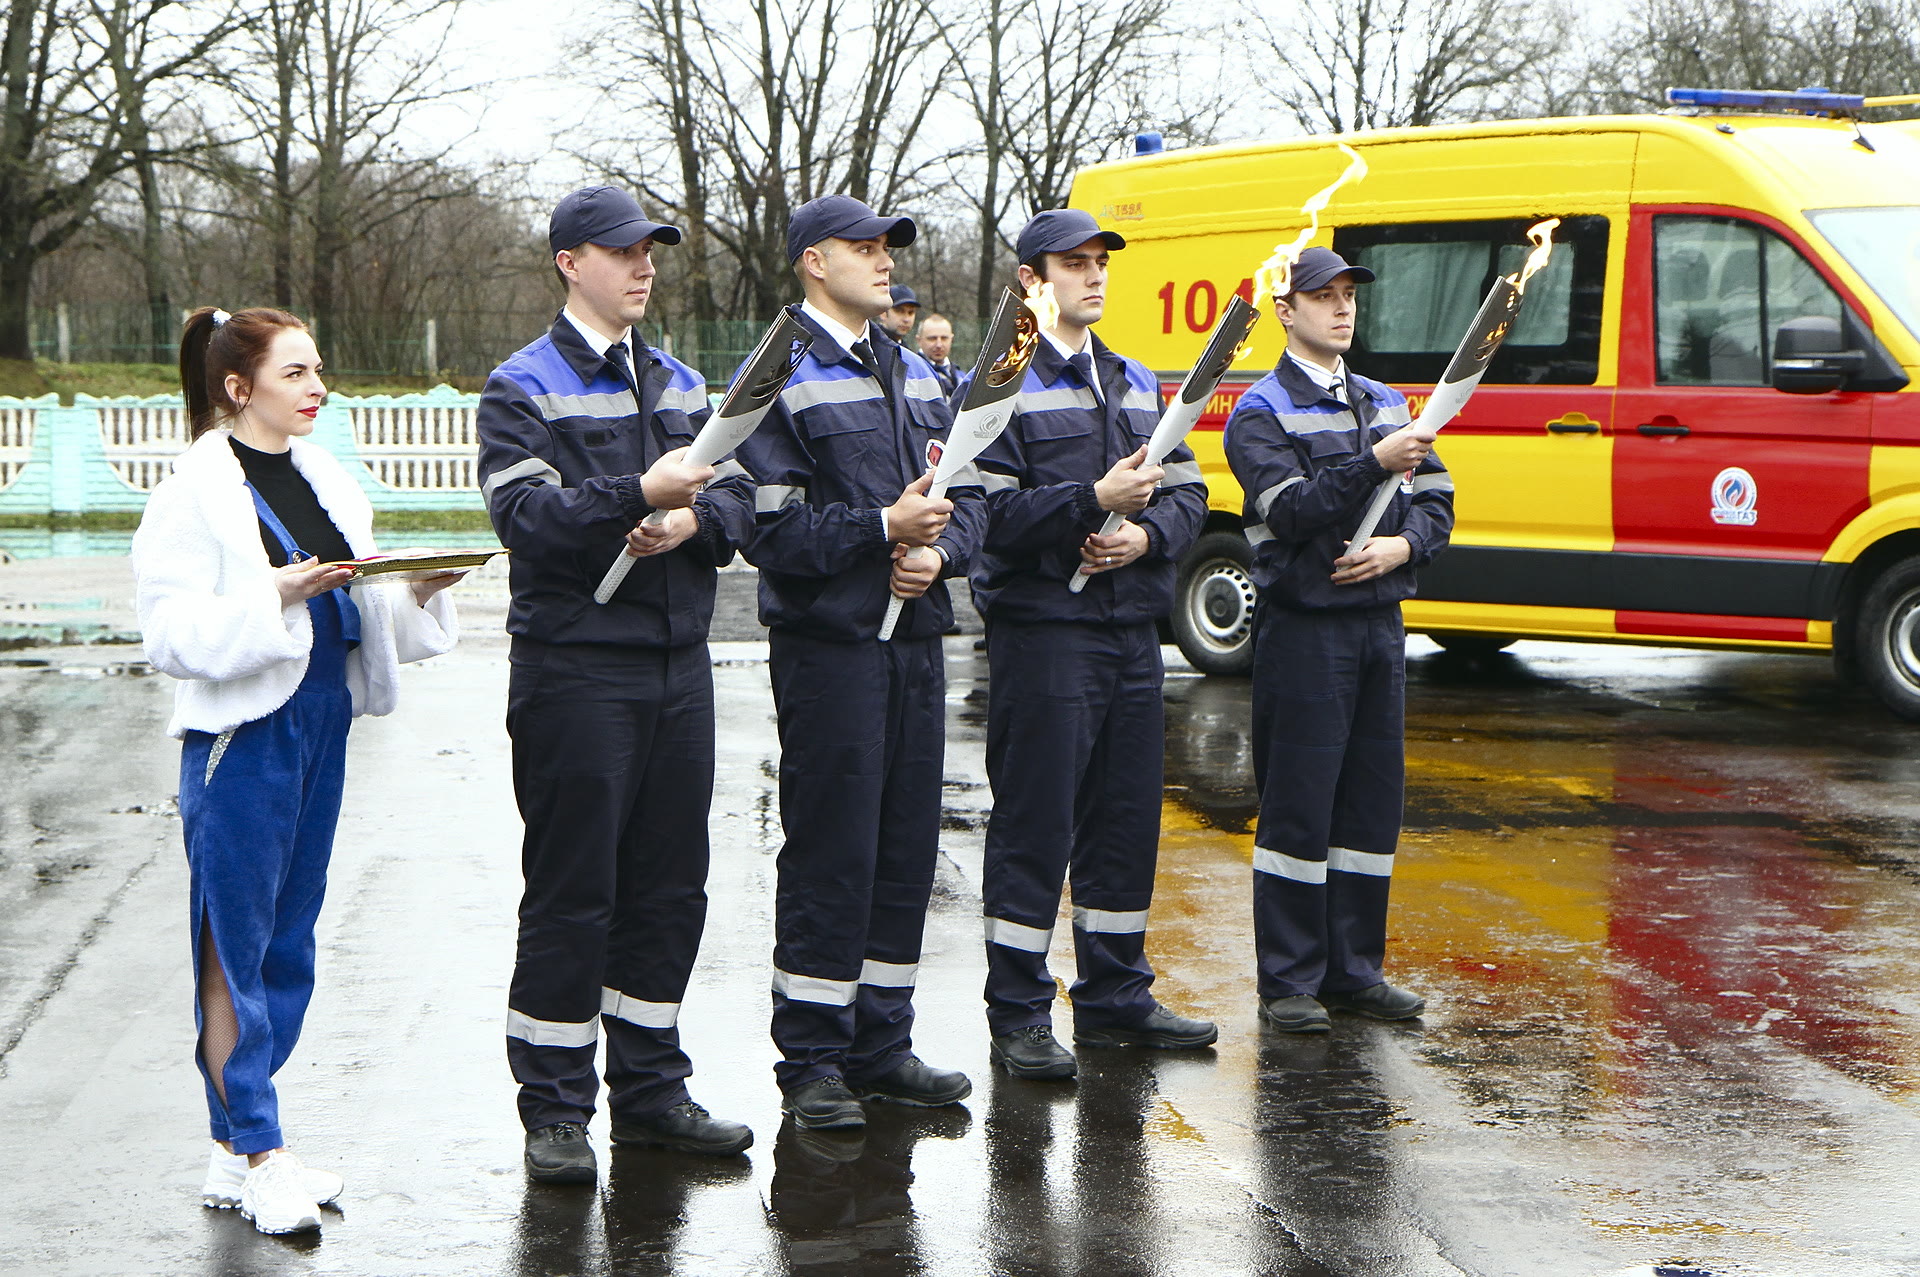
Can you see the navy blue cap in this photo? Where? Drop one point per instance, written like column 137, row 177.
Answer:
column 604, row 215
column 1058, row 229
column 1319, row 267
column 843, row 217
column 903, row 296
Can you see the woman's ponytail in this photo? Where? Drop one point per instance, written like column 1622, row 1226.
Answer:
column 215, row 345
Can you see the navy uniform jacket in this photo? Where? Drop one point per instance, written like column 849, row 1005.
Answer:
column 833, row 453
column 562, row 450
column 1039, row 478
column 1300, row 457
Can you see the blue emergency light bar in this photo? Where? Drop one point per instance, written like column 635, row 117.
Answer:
column 1809, row 101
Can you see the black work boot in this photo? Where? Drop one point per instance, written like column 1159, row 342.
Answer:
column 1297, row 1014
column 1381, row 1002
column 686, row 1128
column 1161, row 1029
column 915, row 1083
column 560, row 1154
column 1033, row 1052
column 824, row 1104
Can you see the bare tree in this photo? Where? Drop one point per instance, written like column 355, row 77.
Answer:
column 1856, row 46
column 742, row 118
column 1373, row 64
column 1053, row 85
column 80, row 79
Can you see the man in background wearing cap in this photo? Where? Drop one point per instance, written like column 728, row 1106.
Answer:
column 1311, row 443
column 898, row 318
column 936, row 347
column 1075, row 720
column 843, row 460
column 582, row 435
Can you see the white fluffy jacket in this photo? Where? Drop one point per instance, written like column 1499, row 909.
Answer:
column 210, row 612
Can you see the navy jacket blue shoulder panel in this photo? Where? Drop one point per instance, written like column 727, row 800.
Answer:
column 1305, row 461
column 1039, row 478
column 834, row 452
column 563, row 446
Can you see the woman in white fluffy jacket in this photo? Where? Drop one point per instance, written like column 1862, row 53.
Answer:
column 275, row 656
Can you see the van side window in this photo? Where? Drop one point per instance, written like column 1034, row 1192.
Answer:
column 1433, row 277
column 1721, row 288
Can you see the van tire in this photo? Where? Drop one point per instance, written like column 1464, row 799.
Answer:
column 1887, row 645
column 1471, row 645
column 1213, row 605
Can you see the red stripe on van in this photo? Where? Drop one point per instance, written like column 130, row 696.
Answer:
column 1763, row 629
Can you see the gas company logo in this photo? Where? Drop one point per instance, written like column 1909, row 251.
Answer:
column 1734, row 497
column 1125, row 211
column 933, row 452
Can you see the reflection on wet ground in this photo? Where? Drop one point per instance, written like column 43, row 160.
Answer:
column 1662, row 906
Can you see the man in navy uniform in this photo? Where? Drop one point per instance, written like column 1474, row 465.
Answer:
column 898, row 318
column 843, row 460
column 1310, row 443
column 1075, row 722
column 582, row 434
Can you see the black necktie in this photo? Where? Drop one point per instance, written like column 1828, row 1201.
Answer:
column 617, row 356
column 863, row 351
column 1082, row 363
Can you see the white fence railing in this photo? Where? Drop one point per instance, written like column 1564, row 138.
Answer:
column 141, row 441
column 418, row 447
column 16, row 442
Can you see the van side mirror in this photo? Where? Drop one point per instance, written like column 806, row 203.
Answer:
column 1810, row 356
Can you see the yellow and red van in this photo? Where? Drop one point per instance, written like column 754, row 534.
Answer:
column 1705, row 429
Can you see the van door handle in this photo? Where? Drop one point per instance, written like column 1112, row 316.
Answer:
column 1574, row 423
column 1663, row 426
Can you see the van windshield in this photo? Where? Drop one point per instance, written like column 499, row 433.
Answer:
column 1883, row 244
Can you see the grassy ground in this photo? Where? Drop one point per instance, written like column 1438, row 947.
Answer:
column 24, row 380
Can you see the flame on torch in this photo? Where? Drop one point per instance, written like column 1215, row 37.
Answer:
column 1275, row 276
column 1039, row 313
column 1541, row 236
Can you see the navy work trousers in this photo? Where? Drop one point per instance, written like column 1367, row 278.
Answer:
column 1329, row 758
column 258, row 806
column 1075, row 747
column 862, row 736
column 613, row 769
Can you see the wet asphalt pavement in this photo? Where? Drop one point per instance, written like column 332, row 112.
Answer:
column 1662, row 905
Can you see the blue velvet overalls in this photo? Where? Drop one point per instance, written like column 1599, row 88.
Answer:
column 258, row 805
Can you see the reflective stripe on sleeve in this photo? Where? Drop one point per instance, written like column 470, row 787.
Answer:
column 1433, row 483
column 1347, row 860
column 551, row 1032
column 1180, row 472
column 769, row 497
column 889, row 975
column 1281, row 865
column 532, row 468
column 1110, row 922
column 1264, row 502
column 727, row 470
column 807, row 988
column 648, row 1015
column 1016, row 936
column 998, row 482
column 1259, row 534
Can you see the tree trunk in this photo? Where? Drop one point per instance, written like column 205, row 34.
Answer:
column 17, row 258
column 160, row 310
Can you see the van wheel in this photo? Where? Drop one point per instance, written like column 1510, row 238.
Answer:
column 1471, row 644
column 1887, row 646
column 1213, row 605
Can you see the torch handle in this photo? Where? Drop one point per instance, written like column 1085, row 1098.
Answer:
column 1078, row 581
column 896, row 604
column 1376, row 511
column 624, row 564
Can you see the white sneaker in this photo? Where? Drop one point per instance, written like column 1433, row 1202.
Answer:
column 227, row 1173
column 275, row 1199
